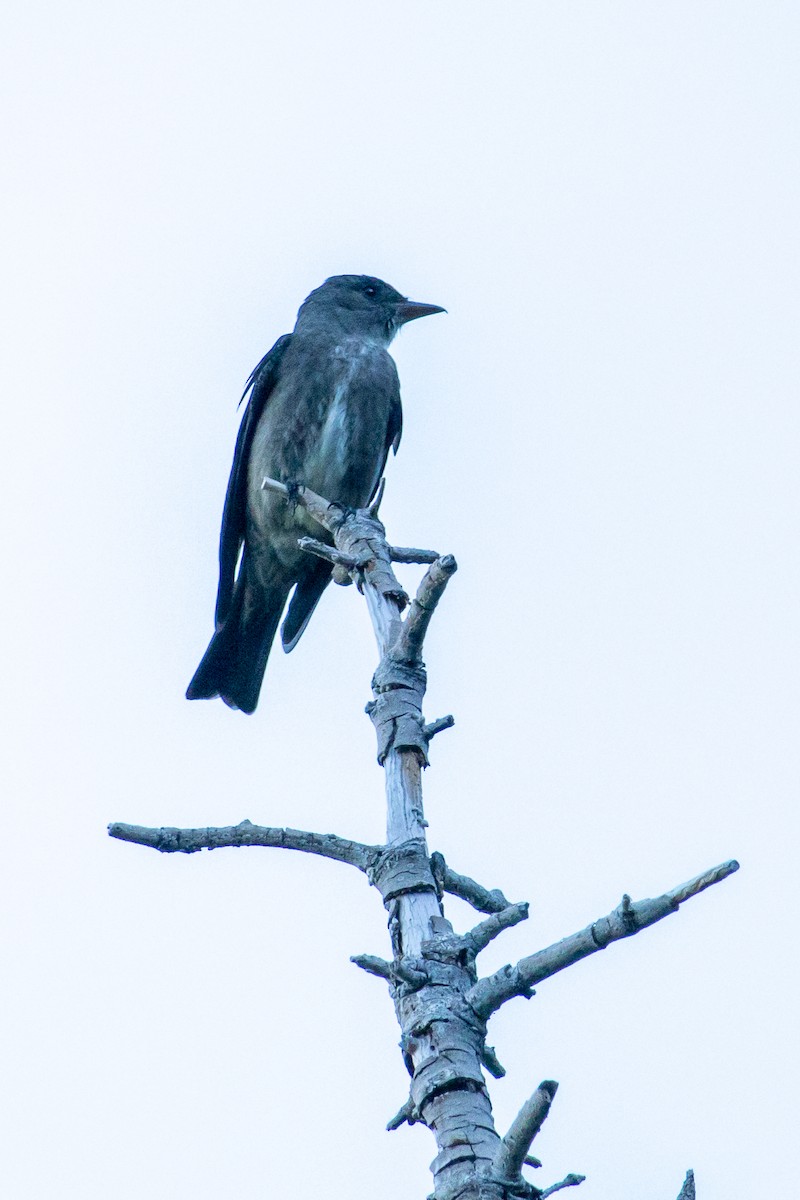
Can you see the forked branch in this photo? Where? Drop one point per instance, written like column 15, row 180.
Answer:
column 490, row 993
column 441, row 1010
column 359, row 536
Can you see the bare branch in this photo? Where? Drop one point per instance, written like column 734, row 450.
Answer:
column 438, row 726
column 687, row 1192
column 408, row 647
column 274, row 485
column 323, row 550
column 569, row 1181
column 188, row 841
column 529, row 1120
column 323, row 511
column 407, row 974
column 478, row 938
column 358, row 533
column 700, row 882
column 408, row 554
column 481, row 899
column 492, row 1062
column 392, row 972
column 407, row 1113
column 374, row 966
column 361, row 536
column 488, row 994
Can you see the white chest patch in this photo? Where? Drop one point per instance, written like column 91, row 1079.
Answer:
column 353, row 356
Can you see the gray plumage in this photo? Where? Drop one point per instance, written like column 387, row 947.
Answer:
column 324, row 409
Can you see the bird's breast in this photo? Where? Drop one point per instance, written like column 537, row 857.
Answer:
column 350, row 411
column 326, row 423
column 345, row 452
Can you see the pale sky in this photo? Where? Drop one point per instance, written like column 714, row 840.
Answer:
column 603, row 430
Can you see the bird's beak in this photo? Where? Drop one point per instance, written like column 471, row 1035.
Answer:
column 409, row 311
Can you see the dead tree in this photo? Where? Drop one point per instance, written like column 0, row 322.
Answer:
column 441, row 1002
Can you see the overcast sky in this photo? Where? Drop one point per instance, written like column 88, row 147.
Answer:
column 603, row 430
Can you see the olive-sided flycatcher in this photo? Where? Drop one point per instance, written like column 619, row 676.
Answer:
column 324, row 409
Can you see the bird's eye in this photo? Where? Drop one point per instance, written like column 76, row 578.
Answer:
column 370, row 291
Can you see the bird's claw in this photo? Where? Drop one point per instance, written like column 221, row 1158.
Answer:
column 293, row 490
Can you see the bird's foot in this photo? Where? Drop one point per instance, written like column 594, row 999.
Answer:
column 293, row 490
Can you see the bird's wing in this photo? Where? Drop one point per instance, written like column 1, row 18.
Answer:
column 394, row 432
column 395, row 428
column 234, row 516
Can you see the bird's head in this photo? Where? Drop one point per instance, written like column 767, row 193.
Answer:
column 360, row 306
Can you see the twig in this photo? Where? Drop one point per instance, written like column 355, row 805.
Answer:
column 569, row 1181
column 700, row 882
column 188, row 841
column 438, row 726
column 529, row 1120
column 322, row 550
column 407, row 1113
column 392, row 972
column 492, row 1062
column 274, row 485
column 489, row 993
column 408, row 647
column 323, row 511
column 481, row 898
column 478, row 938
column 373, row 965
column 408, row 554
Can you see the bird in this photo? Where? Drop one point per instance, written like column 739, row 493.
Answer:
column 323, row 411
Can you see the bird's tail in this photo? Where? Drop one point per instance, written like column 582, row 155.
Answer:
column 304, row 601
column 233, row 665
